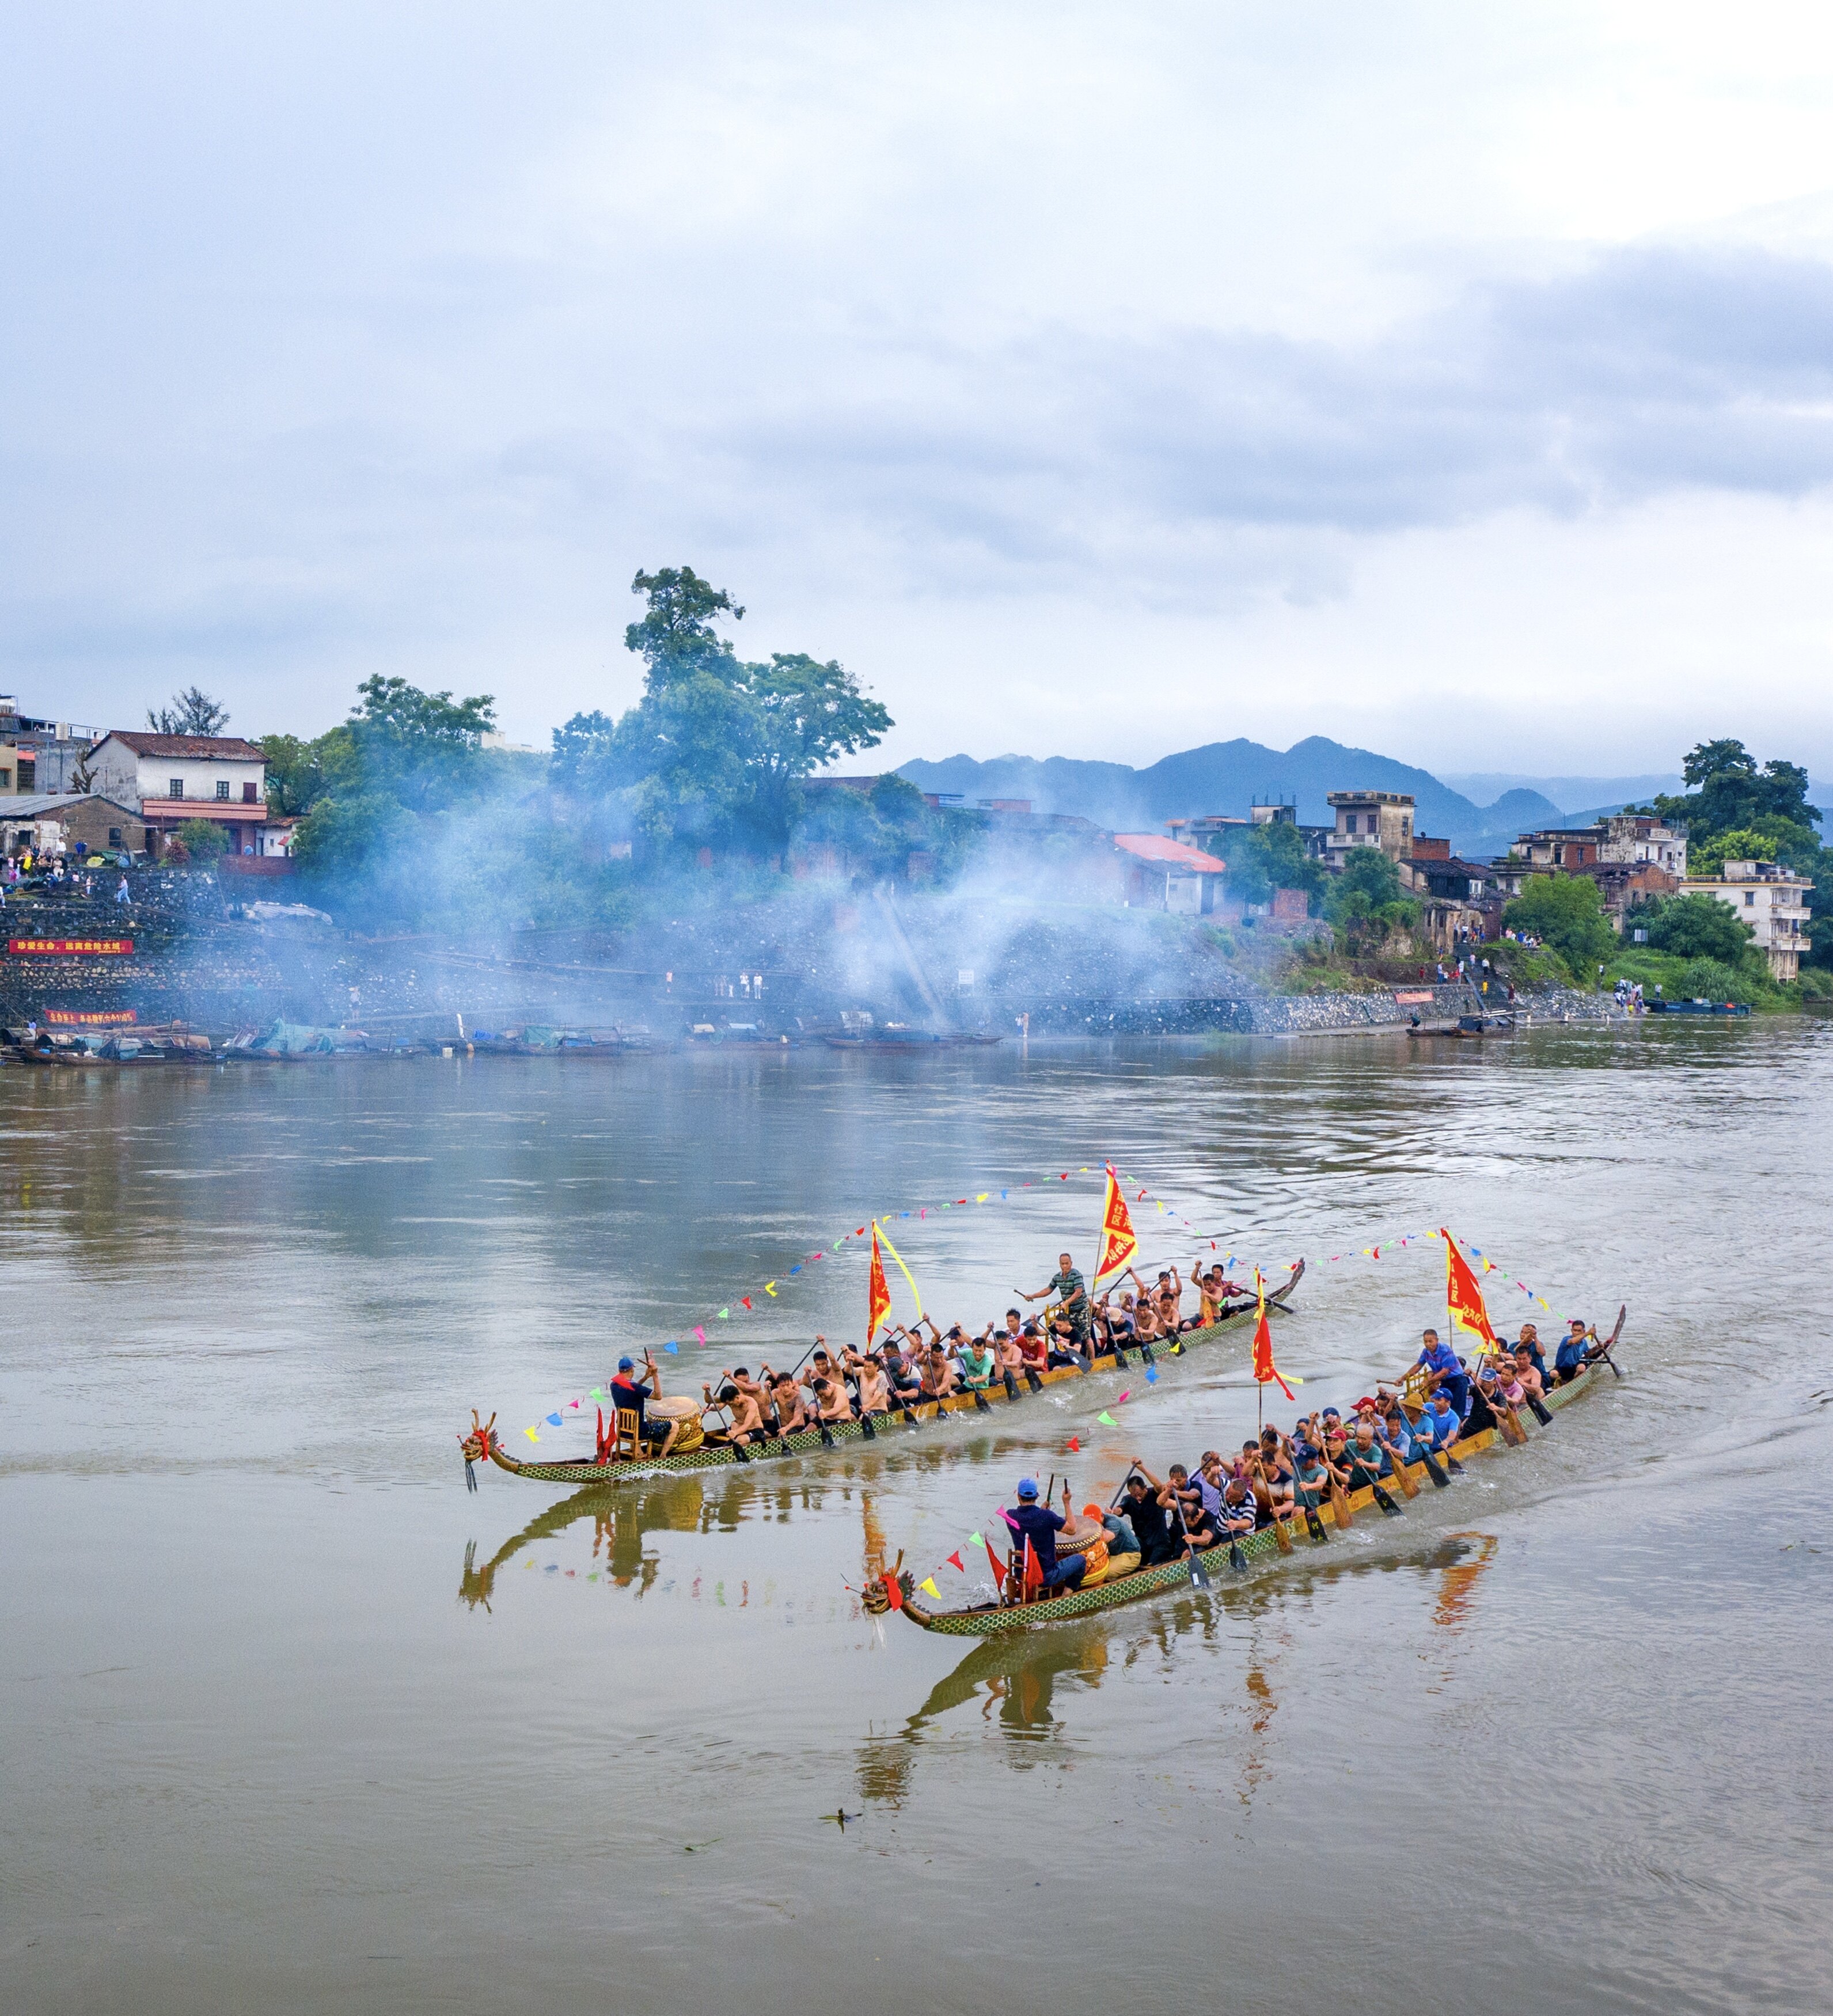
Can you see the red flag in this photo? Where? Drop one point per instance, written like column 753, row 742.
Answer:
column 1075, row 1446
column 1265, row 1370
column 893, row 1595
column 878, row 1295
column 1034, row 1568
column 1118, row 1244
column 746, row 1300
column 999, row 1567
column 1463, row 1298
column 956, row 1562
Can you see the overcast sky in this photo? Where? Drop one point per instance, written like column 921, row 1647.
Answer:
column 1093, row 381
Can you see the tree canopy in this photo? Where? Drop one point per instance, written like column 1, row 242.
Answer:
column 716, row 749
column 192, row 712
column 1698, row 926
column 1566, row 911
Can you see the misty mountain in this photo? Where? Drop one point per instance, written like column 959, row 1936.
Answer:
column 1573, row 795
column 1228, row 777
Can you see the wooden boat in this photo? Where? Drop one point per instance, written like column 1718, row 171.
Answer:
column 992, row 1620
column 483, row 1442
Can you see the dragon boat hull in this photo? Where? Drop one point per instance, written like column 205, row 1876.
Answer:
column 722, row 1456
column 991, row 1620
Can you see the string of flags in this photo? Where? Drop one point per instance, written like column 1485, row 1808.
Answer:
column 750, row 1305
column 874, row 1229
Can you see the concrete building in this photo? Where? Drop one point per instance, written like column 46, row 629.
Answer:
column 1158, row 874
column 174, row 778
column 1640, row 837
column 1369, row 819
column 38, row 756
column 1460, row 902
column 1773, row 901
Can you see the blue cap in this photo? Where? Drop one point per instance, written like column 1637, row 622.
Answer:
column 1027, row 1487
column 627, row 1365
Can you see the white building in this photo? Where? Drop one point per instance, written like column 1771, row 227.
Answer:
column 174, row 778
column 1369, row 819
column 1772, row 900
column 1639, row 836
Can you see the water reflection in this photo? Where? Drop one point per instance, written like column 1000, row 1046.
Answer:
column 1024, row 1684
column 620, row 1517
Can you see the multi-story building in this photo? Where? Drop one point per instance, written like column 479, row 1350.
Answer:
column 39, row 756
column 1773, row 901
column 1369, row 819
column 174, row 778
column 1641, row 837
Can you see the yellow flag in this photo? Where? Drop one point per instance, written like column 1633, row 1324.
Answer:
column 929, row 1583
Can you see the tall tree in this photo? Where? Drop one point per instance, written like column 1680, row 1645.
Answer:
column 192, row 712
column 422, row 749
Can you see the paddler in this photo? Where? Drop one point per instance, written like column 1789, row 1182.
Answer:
column 1572, row 1356
column 632, row 1395
column 1039, row 1525
column 1070, row 1292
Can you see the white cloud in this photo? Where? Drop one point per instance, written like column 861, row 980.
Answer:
column 1321, row 369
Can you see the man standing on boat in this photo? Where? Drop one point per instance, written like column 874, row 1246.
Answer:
column 1446, row 1369
column 1071, row 1292
column 1039, row 1525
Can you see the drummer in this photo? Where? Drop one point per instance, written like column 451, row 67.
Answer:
column 1038, row 1524
column 631, row 1395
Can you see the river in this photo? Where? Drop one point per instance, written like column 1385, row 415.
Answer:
column 292, row 1723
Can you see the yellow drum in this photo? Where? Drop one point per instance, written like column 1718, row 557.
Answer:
column 1089, row 1538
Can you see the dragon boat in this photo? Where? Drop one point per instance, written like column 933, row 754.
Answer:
column 994, row 1619
column 483, row 1443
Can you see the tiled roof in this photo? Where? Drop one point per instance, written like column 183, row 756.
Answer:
column 227, row 748
column 1168, row 853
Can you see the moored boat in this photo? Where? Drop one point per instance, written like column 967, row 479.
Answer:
column 995, row 1619
column 482, row 1442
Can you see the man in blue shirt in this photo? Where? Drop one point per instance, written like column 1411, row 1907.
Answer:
column 1039, row 1525
column 1441, row 1359
column 1570, row 1358
column 1441, row 1419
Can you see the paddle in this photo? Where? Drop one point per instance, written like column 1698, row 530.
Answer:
column 1304, row 1495
column 1603, row 1350
column 1339, row 1498
column 1508, row 1419
column 1380, row 1497
column 1399, row 1464
column 1263, row 1498
column 1199, row 1576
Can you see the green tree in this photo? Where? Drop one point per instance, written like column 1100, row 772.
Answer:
column 716, row 748
column 424, row 750
column 352, row 840
column 1698, row 926
column 192, row 712
column 300, row 773
column 1566, row 912
column 1364, row 902
column 1262, row 858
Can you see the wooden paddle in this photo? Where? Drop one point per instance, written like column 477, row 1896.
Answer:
column 1199, row 1576
column 1318, row 1531
column 1400, row 1467
column 1263, row 1498
column 1603, row 1350
column 1380, row 1497
column 1339, row 1498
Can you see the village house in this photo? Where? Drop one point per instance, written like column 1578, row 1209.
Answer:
column 40, row 757
column 1161, row 874
column 60, row 821
column 1773, row 901
column 174, row 778
column 1369, row 819
column 1460, row 901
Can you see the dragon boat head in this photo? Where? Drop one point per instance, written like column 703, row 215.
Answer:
column 477, row 1445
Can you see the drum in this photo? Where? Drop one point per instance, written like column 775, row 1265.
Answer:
column 1088, row 1539
column 672, row 1407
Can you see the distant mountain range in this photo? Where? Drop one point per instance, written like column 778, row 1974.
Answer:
column 1229, row 776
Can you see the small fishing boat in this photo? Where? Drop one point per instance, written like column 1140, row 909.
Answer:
column 993, row 1619
column 483, row 1443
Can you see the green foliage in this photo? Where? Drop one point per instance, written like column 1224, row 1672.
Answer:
column 1736, row 797
column 300, row 773
column 353, row 838
column 1698, row 927
column 880, row 829
column 1566, row 912
column 204, row 842
column 424, row 750
column 1262, row 858
column 1364, row 903
column 717, row 750
column 1711, row 980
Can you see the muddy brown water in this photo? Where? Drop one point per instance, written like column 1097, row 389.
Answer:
column 292, row 1723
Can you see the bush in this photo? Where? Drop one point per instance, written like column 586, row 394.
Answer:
column 1699, row 927
column 1711, row 980
column 203, row 841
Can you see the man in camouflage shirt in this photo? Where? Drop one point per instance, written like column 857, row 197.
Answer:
column 1070, row 1292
